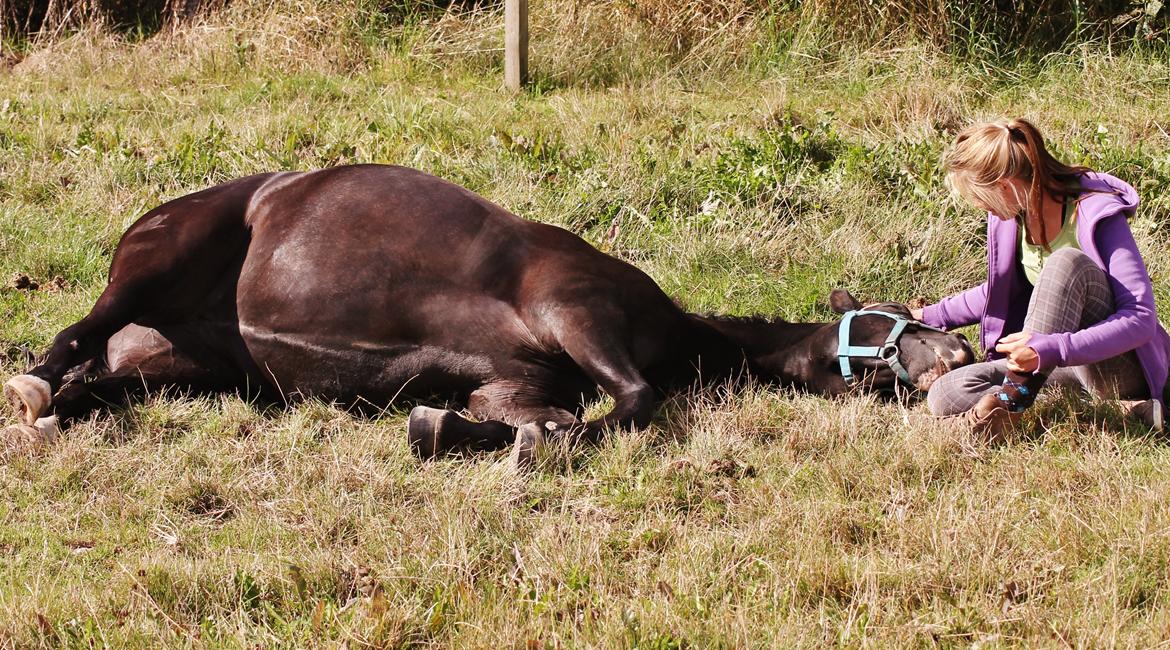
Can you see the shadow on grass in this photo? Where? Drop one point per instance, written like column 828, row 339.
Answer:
column 1071, row 419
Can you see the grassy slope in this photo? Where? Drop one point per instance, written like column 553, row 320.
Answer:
column 736, row 520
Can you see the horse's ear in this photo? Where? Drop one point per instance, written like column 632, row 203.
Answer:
column 842, row 301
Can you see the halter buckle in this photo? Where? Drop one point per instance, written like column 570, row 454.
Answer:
column 887, row 352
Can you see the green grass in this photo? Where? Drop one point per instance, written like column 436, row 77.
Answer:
column 750, row 182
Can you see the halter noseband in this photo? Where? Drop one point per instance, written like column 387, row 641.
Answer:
column 887, row 351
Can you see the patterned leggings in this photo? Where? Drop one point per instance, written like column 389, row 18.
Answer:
column 1071, row 294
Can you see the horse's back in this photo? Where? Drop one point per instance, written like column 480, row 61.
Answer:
column 361, row 279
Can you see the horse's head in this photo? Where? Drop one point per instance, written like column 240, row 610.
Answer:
column 880, row 346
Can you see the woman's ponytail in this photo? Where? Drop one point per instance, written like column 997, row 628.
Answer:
column 984, row 154
column 1023, row 132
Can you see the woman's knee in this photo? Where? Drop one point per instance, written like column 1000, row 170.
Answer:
column 1072, row 291
column 939, row 401
column 958, row 390
column 948, row 394
column 1067, row 264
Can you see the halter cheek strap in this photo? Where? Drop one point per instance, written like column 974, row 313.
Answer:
column 887, row 351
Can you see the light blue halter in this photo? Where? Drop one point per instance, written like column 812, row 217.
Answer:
column 887, row 351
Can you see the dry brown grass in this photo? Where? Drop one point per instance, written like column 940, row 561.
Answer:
column 577, row 42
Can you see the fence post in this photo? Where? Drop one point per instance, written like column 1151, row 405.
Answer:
column 515, row 44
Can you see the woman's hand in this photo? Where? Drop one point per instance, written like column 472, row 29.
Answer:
column 1020, row 357
column 916, row 314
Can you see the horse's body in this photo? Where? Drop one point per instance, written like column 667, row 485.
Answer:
column 366, row 283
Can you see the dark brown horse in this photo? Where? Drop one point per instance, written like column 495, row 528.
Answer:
column 368, row 283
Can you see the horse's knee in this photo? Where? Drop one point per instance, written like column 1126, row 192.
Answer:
column 637, row 407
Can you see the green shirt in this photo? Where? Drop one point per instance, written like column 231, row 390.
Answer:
column 1033, row 257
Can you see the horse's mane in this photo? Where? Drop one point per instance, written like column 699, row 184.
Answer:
column 755, row 319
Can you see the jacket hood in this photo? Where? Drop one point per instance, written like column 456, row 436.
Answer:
column 1107, row 194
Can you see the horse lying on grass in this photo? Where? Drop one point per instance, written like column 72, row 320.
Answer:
column 364, row 284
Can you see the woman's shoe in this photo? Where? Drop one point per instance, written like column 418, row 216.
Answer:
column 1148, row 412
column 990, row 420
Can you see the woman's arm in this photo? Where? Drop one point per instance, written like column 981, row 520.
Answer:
column 961, row 309
column 1132, row 324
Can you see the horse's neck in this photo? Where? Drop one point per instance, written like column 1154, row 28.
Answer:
column 771, row 350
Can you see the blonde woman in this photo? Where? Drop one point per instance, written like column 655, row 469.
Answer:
column 1067, row 298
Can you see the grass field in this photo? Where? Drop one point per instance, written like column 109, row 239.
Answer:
column 751, row 169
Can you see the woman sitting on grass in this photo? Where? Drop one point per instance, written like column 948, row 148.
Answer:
column 1067, row 300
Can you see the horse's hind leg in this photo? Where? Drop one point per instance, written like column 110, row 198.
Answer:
column 31, row 394
column 141, row 360
column 165, row 268
column 144, row 360
column 78, row 400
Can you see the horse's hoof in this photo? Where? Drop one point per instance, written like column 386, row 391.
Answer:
column 424, row 431
column 529, row 443
column 29, row 438
column 29, row 396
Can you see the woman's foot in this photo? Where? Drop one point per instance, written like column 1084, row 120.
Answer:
column 990, row 419
column 1019, row 390
column 1148, row 412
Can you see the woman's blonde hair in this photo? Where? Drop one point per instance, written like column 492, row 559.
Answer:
column 983, row 154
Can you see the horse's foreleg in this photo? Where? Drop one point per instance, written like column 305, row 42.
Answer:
column 606, row 361
column 435, row 432
column 501, row 407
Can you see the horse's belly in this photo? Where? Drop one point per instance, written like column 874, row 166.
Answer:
column 345, row 370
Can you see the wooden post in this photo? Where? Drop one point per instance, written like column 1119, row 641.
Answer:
column 515, row 44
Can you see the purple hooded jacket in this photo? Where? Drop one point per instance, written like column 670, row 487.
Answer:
column 1000, row 304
